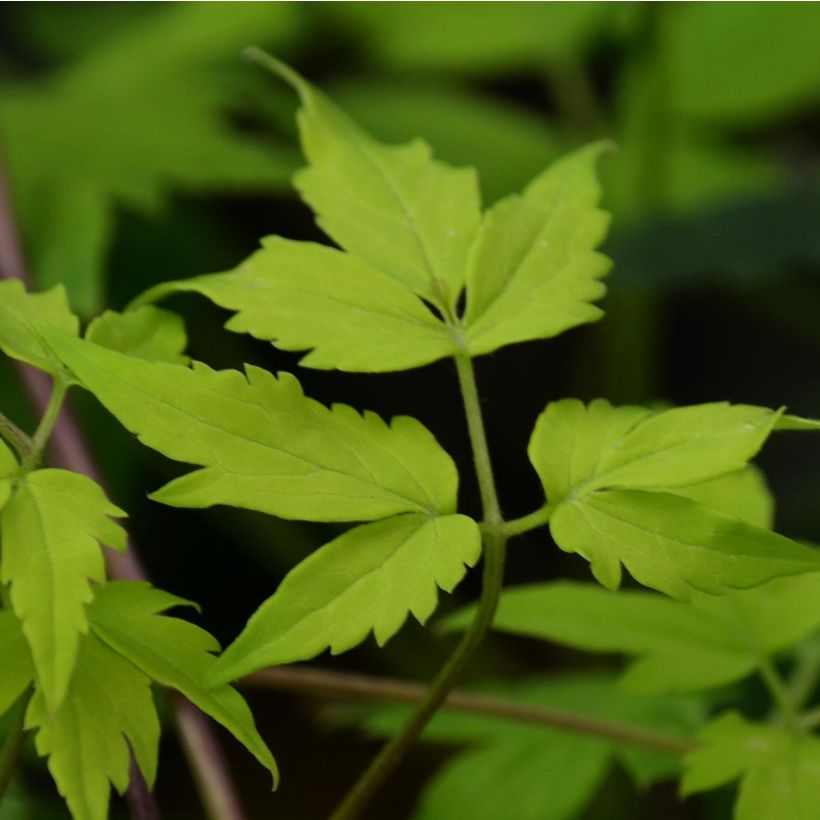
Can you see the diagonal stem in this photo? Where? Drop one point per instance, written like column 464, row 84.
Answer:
column 495, row 544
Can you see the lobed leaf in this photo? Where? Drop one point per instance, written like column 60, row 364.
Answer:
column 409, row 216
column 533, row 271
column 674, row 646
column 21, row 316
column 174, row 653
column 263, row 444
column 146, row 332
column 52, row 529
column 304, row 296
column 777, row 768
column 576, row 448
column 369, row 578
column 673, row 544
column 108, row 712
column 15, row 661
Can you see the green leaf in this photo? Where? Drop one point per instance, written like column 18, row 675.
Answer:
column 8, row 471
column 411, row 217
column 301, row 295
column 576, row 448
column 677, row 647
column 147, row 332
column 107, row 712
column 673, row 544
column 533, row 271
column 263, row 444
column 15, row 661
column 21, row 316
column 787, row 422
column 370, row 578
column 51, row 531
column 114, row 128
column 778, row 769
column 460, row 124
column 174, row 653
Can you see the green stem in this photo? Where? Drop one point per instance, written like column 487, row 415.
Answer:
column 13, row 745
column 804, row 678
column 46, row 426
column 810, row 720
column 495, row 543
column 532, row 521
column 15, row 436
column 779, row 691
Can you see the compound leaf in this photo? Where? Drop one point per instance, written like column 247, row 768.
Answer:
column 174, row 653
column 673, row 544
column 15, row 661
column 777, row 768
column 107, row 712
column 533, row 271
column 577, row 448
column 263, row 444
column 52, row 528
column 22, row 313
column 304, row 296
column 677, row 647
column 146, row 332
column 410, row 216
column 369, row 578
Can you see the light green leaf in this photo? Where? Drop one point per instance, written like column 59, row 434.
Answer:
column 21, row 316
column 174, row 653
column 8, row 470
column 108, row 708
column 263, row 444
column 15, row 661
column 673, row 544
column 370, row 578
column 300, row 295
column 147, row 332
column 577, row 448
column 411, row 217
column 533, row 271
column 742, row 495
column 52, row 529
column 787, row 422
column 778, row 769
column 677, row 647
column 114, row 128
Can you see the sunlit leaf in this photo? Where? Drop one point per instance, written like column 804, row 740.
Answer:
column 368, row 579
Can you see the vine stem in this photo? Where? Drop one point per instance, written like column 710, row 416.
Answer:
column 495, row 543
column 779, row 692
column 11, row 433
column 46, row 425
column 301, row 679
column 68, row 448
column 13, row 745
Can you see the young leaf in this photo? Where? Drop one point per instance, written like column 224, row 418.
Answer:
column 577, row 449
column 394, row 206
column 263, row 444
column 677, row 647
column 21, row 314
column 370, row 578
column 52, row 528
column 146, row 332
column 107, row 712
column 300, row 295
column 15, row 661
column 778, row 769
column 174, row 653
column 533, row 271
column 673, row 544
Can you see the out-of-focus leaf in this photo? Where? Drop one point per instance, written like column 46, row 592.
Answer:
column 139, row 115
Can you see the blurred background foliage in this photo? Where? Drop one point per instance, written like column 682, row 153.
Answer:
column 140, row 147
